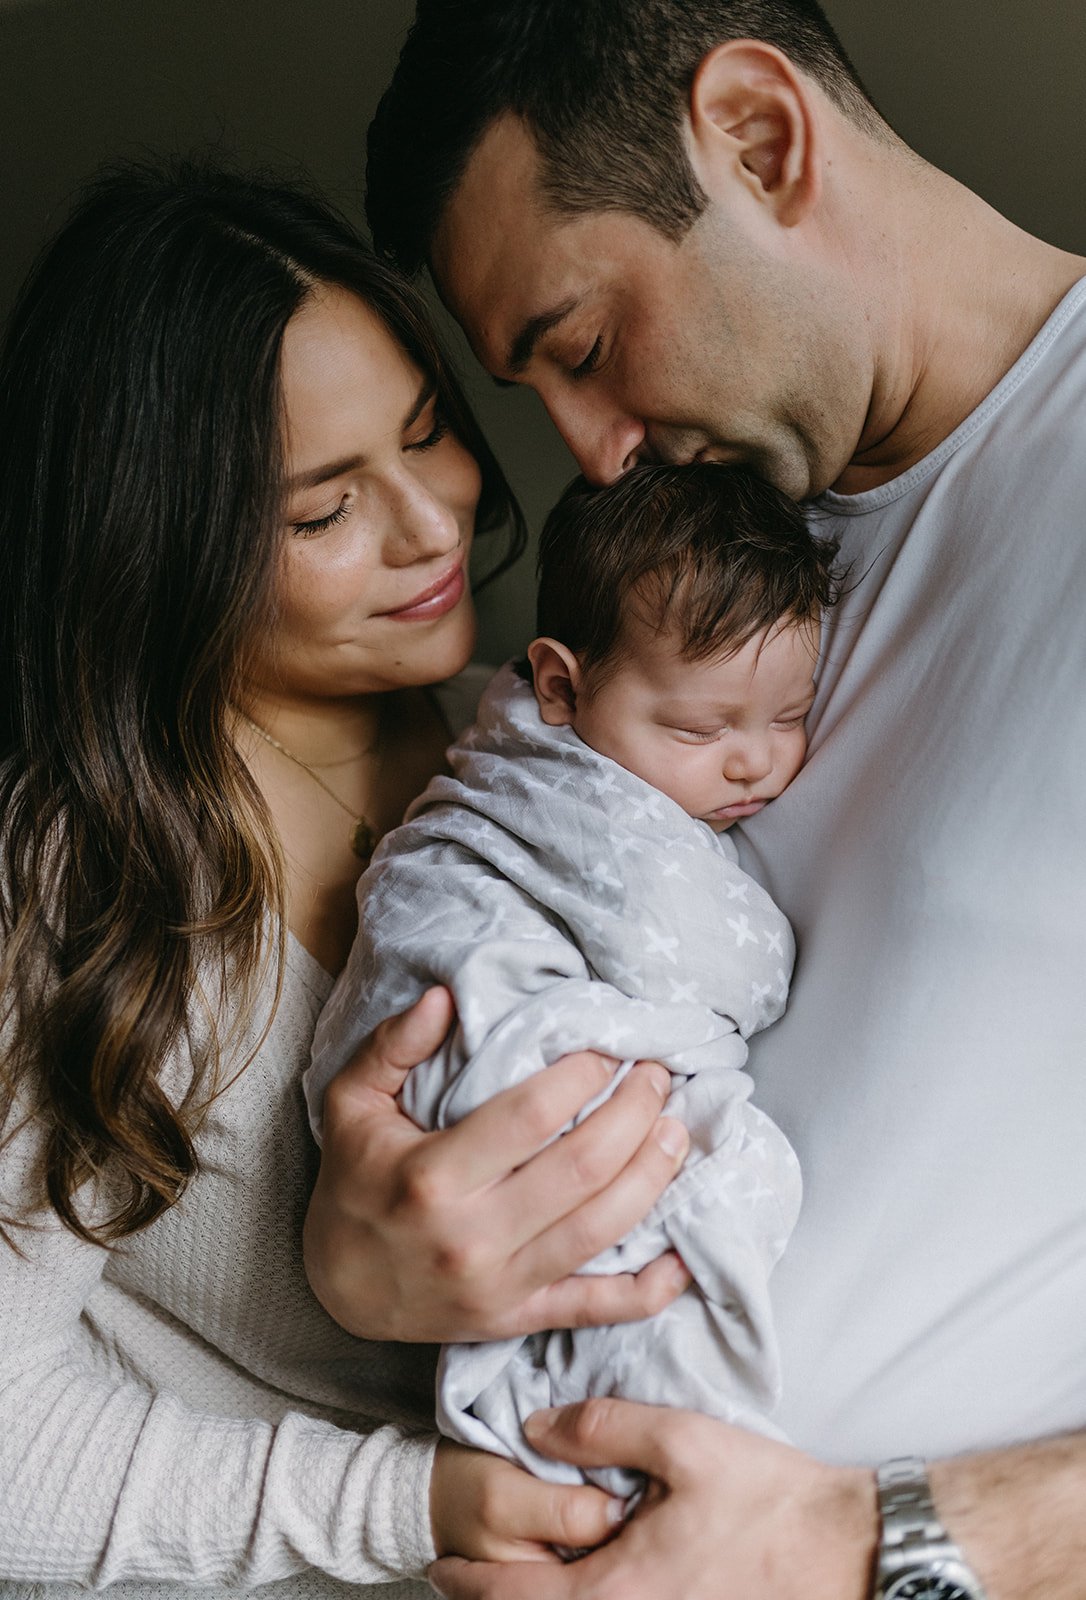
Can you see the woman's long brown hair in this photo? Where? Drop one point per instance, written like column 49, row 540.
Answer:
column 140, row 531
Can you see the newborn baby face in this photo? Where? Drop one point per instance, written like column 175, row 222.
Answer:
column 720, row 737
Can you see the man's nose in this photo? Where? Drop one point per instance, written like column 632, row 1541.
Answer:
column 605, row 443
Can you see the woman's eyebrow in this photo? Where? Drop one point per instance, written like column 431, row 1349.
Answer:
column 427, row 391
column 334, row 469
column 319, row 475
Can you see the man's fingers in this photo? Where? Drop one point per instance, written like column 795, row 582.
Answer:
column 381, row 1063
column 590, row 1302
column 612, row 1433
column 485, row 1580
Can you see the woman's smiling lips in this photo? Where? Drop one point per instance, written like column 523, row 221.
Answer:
column 433, row 601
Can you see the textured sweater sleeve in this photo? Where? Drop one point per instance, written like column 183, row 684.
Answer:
column 103, row 1478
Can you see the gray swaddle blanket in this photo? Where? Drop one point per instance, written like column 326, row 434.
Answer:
column 568, row 905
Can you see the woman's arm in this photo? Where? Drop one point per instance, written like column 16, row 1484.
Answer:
column 103, row 1478
column 466, row 1234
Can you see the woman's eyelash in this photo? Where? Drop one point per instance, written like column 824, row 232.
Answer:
column 590, row 362
column 438, row 431
column 307, row 530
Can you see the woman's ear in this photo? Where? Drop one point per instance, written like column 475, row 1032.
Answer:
column 557, row 676
column 754, row 121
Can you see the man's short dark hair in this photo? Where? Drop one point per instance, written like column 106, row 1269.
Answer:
column 602, row 86
column 711, row 553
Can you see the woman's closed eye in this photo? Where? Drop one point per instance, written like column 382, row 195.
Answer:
column 438, row 429
column 318, row 525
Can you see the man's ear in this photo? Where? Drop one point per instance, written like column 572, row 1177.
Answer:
column 754, row 119
column 557, row 675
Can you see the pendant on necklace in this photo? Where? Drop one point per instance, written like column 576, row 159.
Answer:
column 363, row 840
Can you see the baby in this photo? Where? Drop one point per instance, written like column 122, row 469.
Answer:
column 572, row 882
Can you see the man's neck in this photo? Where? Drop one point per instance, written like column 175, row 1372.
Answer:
column 961, row 293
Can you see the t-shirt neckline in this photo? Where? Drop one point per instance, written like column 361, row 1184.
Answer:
column 852, row 505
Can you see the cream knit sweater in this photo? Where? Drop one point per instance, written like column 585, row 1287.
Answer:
column 179, row 1417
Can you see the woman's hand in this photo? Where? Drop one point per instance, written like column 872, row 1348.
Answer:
column 728, row 1515
column 486, row 1509
column 472, row 1233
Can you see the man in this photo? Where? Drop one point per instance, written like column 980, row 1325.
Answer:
column 685, row 225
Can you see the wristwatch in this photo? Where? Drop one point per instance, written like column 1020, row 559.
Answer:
column 917, row 1559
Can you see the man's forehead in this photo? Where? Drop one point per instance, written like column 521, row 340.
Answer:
column 490, row 228
column 496, row 256
column 509, row 266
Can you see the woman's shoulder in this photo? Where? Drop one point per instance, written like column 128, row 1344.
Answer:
column 458, row 698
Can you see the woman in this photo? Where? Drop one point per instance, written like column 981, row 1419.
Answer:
column 238, row 495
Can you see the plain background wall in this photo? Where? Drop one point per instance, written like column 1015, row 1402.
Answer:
column 991, row 90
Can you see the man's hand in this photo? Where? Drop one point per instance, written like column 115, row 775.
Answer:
column 728, row 1516
column 472, row 1233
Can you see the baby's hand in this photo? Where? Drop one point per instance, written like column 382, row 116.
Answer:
column 484, row 1508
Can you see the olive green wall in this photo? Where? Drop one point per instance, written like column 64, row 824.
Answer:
column 991, row 91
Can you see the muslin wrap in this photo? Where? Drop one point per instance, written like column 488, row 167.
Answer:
column 569, row 906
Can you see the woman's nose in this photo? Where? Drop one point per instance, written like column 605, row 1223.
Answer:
column 421, row 525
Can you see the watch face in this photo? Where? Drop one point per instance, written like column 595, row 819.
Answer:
column 926, row 1586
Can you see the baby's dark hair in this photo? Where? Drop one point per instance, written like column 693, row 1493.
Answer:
column 709, row 551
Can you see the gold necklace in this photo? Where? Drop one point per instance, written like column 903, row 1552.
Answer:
column 364, row 836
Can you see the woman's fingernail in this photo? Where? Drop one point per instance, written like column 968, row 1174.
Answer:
column 672, row 1137
column 540, row 1421
column 660, row 1078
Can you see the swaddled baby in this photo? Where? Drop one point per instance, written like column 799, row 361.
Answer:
column 572, row 882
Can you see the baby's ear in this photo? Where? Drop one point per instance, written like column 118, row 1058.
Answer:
column 556, row 676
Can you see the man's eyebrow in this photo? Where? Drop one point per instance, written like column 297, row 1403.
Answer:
column 334, row 469
column 523, row 346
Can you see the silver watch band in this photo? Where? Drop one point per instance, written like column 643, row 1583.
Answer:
column 909, row 1522
column 913, row 1539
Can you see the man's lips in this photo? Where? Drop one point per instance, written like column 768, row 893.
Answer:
column 440, row 596
column 687, row 452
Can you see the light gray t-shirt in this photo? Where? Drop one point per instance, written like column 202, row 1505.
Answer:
column 931, row 1067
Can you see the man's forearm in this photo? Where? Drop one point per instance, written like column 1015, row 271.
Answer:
column 732, row 1515
column 1019, row 1515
